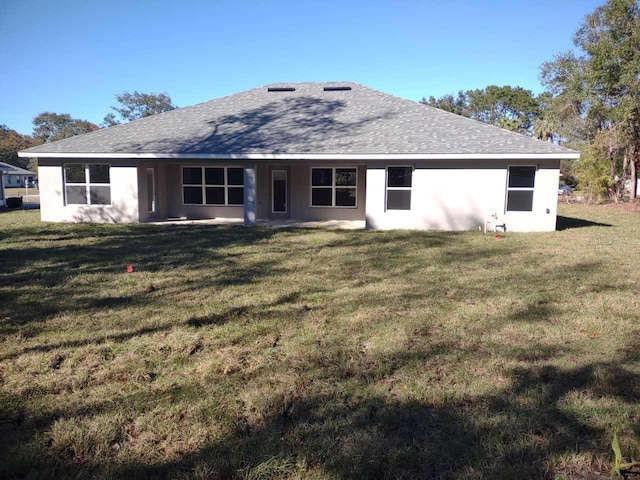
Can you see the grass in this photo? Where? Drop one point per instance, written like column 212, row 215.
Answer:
column 20, row 191
column 263, row 353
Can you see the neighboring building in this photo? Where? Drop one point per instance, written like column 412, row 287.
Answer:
column 307, row 151
column 15, row 176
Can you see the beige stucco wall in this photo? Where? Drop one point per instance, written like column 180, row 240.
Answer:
column 300, row 193
column 160, row 169
column 449, row 195
column 452, row 196
column 124, row 194
column 13, row 181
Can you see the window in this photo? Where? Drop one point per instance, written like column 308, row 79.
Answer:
column 334, row 187
column 213, row 185
column 399, row 181
column 87, row 184
column 520, row 189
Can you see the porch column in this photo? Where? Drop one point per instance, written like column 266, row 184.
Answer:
column 249, row 193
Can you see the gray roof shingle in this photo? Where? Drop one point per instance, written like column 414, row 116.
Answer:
column 307, row 120
column 9, row 169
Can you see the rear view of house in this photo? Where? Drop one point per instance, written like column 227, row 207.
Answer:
column 309, row 152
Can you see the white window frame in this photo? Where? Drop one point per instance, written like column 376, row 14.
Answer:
column 333, row 186
column 520, row 189
column 204, row 186
column 87, row 183
column 387, row 187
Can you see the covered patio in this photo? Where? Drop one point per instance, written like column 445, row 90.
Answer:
column 308, row 194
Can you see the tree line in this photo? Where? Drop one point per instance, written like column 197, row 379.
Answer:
column 50, row 126
column 591, row 102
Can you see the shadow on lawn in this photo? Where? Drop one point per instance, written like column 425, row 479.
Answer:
column 94, row 340
column 343, row 417
column 109, row 248
column 37, row 278
column 504, row 435
column 565, row 223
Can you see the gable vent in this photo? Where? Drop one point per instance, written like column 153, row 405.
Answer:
column 281, row 89
column 338, row 88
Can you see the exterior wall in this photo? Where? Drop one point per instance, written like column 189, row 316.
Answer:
column 545, row 203
column 300, row 193
column 2, row 194
column 143, row 214
column 124, row 194
column 161, row 191
column 11, row 180
column 451, row 195
column 458, row 196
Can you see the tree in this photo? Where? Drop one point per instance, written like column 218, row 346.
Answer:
column 449, row 103
column 545, row 126
column 49, row 126
column 513, row 108
column 138, row 105
column 11, row 142
column 596, row 96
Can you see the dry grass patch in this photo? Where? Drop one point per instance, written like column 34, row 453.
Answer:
column 266, row 353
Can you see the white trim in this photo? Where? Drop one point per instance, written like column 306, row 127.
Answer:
column 520, row 189
column 333, row 186
column 387, row 187
column 315, row 156
column 87, row 184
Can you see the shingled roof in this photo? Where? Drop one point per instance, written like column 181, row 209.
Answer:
column 303, row 118
column 9, row 169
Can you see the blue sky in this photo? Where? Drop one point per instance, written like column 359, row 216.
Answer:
column 73, row 56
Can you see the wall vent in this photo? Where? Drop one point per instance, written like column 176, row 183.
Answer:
column 337, row 88
column 281, row 89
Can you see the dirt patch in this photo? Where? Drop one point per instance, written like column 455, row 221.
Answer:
column 626, row 207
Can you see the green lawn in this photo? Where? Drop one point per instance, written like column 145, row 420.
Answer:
column 21, row 192
column 283, row 353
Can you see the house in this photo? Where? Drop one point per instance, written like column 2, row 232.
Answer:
column 15, row 176
column 304, row 151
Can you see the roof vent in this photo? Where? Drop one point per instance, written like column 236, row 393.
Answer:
column 281, row 89
column 338, row 88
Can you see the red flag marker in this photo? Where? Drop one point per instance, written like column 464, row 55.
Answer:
column 129, row 268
